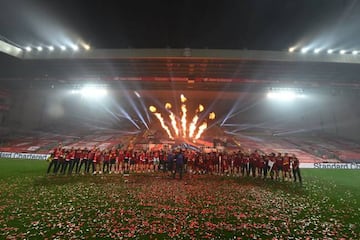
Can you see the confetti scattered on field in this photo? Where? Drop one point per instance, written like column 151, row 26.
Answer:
column 155, row 206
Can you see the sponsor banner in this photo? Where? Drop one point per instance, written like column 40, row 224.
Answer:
column 32, row 156
column 354, row 166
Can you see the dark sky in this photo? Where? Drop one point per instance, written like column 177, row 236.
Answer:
column 229, row 24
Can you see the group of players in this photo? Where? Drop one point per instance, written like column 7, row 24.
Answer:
column 95, row 161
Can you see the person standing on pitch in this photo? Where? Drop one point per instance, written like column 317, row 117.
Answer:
column 169, row 162
column 296, row 168
column 179, row 164
column 55, row 159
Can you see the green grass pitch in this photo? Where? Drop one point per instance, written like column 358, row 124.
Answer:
column 154, row 206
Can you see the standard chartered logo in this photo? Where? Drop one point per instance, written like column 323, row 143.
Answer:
column 338, row 165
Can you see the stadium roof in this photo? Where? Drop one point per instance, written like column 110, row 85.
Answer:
column 192, row 68
column 166, row 41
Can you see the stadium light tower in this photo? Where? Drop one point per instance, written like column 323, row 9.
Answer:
column 342, row 52
column 63, row 48
column 28, row 49
column 330, row 51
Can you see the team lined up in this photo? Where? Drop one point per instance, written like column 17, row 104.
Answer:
column 96, row 161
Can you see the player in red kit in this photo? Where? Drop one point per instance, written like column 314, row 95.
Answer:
column 106, row 162
column 296, row 168
column 76, row 161
column 127, row 158
column 279, row 165
column 90, row 160
column 83, row 160
column 120, row 162
column 97, row 162
column 112, row 157
column 286, row 167
column 156, row 161
column 55, row 161
column 65, row 163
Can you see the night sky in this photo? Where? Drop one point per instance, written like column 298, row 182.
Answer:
column 256, row 25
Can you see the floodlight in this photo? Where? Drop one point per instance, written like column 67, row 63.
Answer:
column 75, row 91
column 75, row 48
column 354, row 52
column 342, row 51
column 304, row 50
column 270, row 95
column 92, row 91
column 39, row 48
column 292, row 49
column 330, row 51
column 63, row 48
column 317, row 50
column 285, row 94
column 28, row 49
column 51, row 48
column 87, row 47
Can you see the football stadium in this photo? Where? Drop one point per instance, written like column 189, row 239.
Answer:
column 184, row 120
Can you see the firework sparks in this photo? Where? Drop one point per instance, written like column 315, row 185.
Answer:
column 201, row 108
column 152, row 109
column 193, row 126
column 186, row 132
column 173, row 123
column 172, row 118
column 183, row 119
column 202, row 128
column 183, row 98
column 161, row 119
column 163, row 125
column 168, row 105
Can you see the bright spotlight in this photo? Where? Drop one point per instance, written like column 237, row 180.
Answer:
column 285, row 94
column 304, row 50
column 292, row 49
column 63, row 48
column 28, row 49
column 317, row 50
column 75, row 91
column 93, row 91
column 51, row 48
column 354, row 52
column 87, row 47
column 342, row 51
column 75, row 48
column 39, row 48
column 271, row 95
column 330, row 51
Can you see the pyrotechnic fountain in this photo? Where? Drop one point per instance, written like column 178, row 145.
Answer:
column 193, row 131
